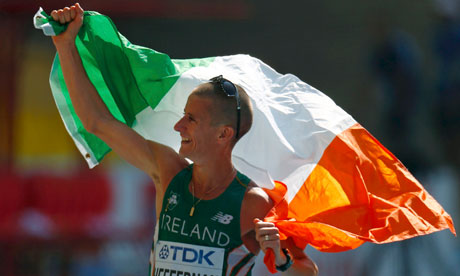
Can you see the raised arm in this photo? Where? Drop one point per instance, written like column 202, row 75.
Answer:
column 157, row 160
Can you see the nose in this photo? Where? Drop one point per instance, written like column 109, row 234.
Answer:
column 179, row 125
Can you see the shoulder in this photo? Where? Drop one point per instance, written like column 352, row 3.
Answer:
column 256, row 204
column 256, row 196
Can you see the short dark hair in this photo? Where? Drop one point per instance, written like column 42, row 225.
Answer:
column 223, row 109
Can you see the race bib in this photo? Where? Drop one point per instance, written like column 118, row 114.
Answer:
column 174, row 258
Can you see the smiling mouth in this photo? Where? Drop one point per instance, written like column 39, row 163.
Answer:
column 185, row 140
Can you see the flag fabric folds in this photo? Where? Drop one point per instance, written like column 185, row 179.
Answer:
column 335, row 185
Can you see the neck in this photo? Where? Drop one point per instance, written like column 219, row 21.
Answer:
column 211, row 179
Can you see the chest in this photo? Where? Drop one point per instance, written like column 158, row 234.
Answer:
column 213, row 223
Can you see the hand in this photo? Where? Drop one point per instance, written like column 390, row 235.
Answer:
column 267, row 234
column 74, row 15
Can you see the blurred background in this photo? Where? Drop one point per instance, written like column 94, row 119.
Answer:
column 393, row 65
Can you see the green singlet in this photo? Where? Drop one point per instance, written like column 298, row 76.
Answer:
column 207, row 242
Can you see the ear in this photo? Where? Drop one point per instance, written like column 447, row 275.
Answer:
column 226, row 134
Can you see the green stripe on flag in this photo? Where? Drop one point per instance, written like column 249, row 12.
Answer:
column 128, row 78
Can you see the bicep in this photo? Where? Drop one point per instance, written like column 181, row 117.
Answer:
column 256, row 204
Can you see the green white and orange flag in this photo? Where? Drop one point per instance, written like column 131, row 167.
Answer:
column 337, row 186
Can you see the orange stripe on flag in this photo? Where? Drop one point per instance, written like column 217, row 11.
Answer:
column 359, row 191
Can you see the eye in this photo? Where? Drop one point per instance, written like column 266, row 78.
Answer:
column 188, row 117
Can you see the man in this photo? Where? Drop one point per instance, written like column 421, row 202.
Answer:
column 209, row 214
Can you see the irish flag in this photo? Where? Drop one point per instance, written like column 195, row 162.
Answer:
column 336, row 185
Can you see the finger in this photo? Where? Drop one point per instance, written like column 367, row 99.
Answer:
column 263, row 229
column 66, row 13
column 261, row 224
column 73, row 12
column 61, row 17
column 268, row 231
column 54, row 15
column 268, row 236
column 79, row 9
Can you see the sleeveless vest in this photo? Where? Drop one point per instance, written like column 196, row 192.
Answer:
column 205, row 243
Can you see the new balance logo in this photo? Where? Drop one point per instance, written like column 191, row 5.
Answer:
column 224, row 219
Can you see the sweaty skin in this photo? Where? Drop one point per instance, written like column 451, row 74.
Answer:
column 209, row 147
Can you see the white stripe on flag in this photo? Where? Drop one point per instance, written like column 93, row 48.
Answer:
column 293, row 122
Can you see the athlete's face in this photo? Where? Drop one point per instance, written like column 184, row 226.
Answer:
column 198, row 136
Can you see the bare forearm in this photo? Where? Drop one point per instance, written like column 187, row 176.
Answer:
column 88, row 105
